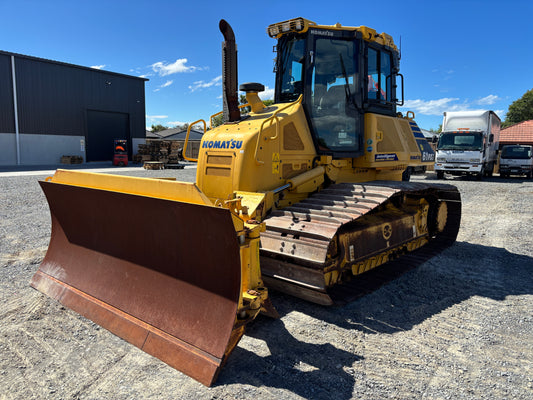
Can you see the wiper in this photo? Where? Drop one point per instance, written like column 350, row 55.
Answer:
column 347, row 91
column 345, row 75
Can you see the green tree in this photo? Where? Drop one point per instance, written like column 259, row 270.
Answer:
column 520, row 110
column 159, row 128
column 218, row 120
column 438, row 130
column 242, row 101
column 185, row 126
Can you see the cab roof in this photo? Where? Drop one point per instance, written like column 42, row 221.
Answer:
column 302, row 25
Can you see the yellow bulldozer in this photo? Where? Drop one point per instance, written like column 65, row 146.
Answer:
column 301, row 196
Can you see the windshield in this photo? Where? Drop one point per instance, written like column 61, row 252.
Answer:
column 291, row 59
column 330, row 101
column 519, row 152
column 460, row 141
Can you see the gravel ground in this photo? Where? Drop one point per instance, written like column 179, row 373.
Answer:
column 459, row 326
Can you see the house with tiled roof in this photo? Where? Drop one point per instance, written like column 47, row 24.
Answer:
column 521, row 133
column 180, row 134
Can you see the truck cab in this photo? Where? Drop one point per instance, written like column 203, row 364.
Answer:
column 516, row 160
column 468, row 144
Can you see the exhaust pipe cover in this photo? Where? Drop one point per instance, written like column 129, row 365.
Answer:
column 229, row 74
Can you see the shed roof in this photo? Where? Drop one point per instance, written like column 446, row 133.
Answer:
column 103, row 71
column 521, row 133
column 152, row 135
column 180, row 134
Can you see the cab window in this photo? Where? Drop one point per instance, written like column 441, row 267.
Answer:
column 379, row 74
column 291, row 69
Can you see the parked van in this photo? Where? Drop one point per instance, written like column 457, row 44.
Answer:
column 516, row 160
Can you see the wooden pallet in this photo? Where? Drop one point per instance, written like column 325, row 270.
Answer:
column 174, row 166
column 153, row 165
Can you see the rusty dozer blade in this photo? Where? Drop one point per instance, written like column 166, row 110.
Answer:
column 163, row 274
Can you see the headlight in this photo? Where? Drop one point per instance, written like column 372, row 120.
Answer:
column 441, row 159
column 475, row 160
column 273, row 30
column 292, row 25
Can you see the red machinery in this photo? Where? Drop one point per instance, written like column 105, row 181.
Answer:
column 120, row 153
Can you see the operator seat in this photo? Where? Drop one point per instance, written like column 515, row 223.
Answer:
column 333, row 100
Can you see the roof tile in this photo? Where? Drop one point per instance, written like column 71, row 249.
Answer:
column 518, row 133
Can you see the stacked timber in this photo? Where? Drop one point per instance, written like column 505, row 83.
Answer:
column 174, row 155
column 71, row 159
column 165, row 151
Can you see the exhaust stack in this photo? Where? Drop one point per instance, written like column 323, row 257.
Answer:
column 229, row 74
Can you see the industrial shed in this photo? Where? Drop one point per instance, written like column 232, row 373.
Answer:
column 50, row 109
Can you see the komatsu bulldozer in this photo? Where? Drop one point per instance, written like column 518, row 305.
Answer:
column 301, row 196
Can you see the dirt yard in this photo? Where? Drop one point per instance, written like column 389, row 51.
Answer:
column 459, row 326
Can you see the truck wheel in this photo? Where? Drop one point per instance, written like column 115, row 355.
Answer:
column 440, row 174
column 481, row 174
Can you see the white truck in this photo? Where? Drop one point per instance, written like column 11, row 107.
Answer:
column 516, row 160
column 468, row 144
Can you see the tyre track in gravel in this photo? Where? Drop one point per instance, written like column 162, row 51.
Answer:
column 459, row 326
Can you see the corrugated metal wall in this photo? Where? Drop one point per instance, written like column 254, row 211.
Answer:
column 54, row 98
column 7, row 119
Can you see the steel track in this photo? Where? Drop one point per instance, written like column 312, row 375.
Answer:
column 295, row 245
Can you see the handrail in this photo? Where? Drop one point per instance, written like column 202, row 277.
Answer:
column 220, row 112
column 187, row 140
column 271, row 120
column 213, row 116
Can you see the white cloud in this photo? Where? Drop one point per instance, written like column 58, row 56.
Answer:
column 203, row 85
column 433, row 107
column 176, row 67
column 166, row 84
column 156, row 117
column 488, row 100
column 439, row 106
column 98, row 66
column 176, row 123
column 268, row 94
column 500, row 113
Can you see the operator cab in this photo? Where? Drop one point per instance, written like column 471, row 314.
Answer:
column 341, row 76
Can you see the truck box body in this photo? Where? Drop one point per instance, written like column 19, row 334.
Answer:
column 468, row 144
column 516, row 160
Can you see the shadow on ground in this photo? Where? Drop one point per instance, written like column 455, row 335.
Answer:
column 316, row 370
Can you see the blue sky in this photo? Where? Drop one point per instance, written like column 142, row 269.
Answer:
column 456, row 55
